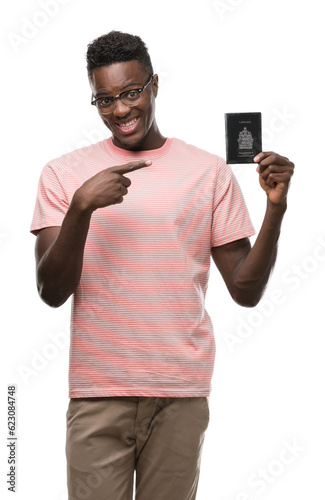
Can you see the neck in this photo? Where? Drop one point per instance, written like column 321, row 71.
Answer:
column 153, row 140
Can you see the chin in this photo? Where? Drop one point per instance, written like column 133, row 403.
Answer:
column 131, row 143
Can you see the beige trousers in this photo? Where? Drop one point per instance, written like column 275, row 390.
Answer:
column 157, row 439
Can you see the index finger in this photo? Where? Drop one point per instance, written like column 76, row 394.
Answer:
column 267, row 158
column 270, row 156
column 129, row 167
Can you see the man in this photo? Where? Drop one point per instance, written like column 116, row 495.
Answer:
column 136, row 259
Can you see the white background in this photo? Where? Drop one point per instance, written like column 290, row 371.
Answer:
column 212, row 57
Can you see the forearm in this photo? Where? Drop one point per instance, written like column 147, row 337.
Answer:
column 253, row 272
column 59, row 269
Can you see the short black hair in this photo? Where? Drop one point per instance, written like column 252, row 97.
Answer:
column 115, row 47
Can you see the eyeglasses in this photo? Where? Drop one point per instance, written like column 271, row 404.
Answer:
column 130, row 98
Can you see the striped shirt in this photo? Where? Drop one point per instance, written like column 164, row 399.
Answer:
column 139, row 325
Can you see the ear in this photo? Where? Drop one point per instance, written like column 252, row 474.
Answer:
column 155, row 85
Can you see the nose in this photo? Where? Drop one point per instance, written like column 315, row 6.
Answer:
column 120, row 108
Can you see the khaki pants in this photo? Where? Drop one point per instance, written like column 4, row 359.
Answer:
column 159, row 438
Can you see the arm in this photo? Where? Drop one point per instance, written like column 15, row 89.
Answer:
column 59, row 257
column 246, row 270
column 59, row 250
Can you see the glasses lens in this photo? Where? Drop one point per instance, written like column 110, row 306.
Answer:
column 105, row 105
column 130, row 97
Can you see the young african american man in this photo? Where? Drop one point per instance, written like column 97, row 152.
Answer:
column 127, row 226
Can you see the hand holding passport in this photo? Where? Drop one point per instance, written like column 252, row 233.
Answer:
column 244, row 143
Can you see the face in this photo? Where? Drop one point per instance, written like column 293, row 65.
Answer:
column 133, row 128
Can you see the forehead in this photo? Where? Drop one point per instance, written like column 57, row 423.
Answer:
column 117, row 76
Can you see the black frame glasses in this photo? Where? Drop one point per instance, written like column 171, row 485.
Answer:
column 112, row 105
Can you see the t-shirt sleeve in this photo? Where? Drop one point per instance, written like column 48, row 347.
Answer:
column 230, row 217
column 51, row 202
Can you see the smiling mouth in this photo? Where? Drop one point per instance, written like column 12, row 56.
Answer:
column 128, row 126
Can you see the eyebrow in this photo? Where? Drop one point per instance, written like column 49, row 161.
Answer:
column 137, row 84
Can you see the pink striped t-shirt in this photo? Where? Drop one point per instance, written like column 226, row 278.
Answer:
column 139, row 324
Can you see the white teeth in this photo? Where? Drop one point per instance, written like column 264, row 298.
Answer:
column 128, row 124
